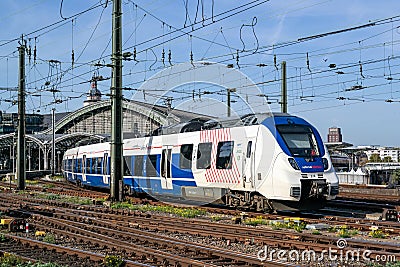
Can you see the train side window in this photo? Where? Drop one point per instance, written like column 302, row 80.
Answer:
column 94, row 165
column 127, row 166
column 79, row 166
column 88, row 160
column 105, row 163
column 224, row 155
column 99, row 165
column 84, row 164
column 74, row 164
column 151, row 166
column 138, row 170
column 185, row 157
column 248, row 153
column 204, row 156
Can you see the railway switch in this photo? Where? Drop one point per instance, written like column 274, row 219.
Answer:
column 17, row 225
column 390, row 215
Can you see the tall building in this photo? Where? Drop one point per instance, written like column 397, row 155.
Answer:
column 334, row 135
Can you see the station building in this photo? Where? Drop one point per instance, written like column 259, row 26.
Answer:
column 88, row 124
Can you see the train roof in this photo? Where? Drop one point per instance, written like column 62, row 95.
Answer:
column 216, row 123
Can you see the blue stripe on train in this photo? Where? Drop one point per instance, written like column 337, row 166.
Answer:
column 95, row 180
column 175, row 170
column 151, row 185
column 179, row 173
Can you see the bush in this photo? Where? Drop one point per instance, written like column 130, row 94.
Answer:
column 113, row 261
column 49, row 238
column 377, row 234
column 12, row 260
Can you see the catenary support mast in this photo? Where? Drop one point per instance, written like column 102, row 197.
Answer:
column 284, row 89
column 21, row 174
column 116, row 105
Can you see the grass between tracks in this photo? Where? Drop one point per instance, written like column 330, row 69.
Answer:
column 69, row 199
column 11, row 260
column 181, row 212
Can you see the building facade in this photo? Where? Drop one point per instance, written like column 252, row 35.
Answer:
column 391, row 153
column 9, row 123
column 334, row 135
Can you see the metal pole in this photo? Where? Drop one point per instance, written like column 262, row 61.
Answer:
column 284, row 89
column 53, row 142
column 40, row 163
column 21, row 174
column 229, row 102
column 29, row 157
column 13, row 162
column 229, row 91
column 116, row 104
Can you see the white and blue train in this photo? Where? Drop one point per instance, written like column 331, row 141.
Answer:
column 261, row 162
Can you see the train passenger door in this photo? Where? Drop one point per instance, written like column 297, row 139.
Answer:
column 84, row 168
column 165, row 168
column 249, row 163
column 105, row 168
column 73, row 168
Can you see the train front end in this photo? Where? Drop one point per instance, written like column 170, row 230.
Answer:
column 303, row 177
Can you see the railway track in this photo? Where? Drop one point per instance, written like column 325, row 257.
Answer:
column 154, row 239
column 134, row 224
column 376, row 194
column 32, row 250
column 84, row 234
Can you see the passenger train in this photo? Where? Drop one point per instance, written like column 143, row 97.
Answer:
column 261, row 162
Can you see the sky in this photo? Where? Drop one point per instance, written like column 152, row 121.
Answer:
column 342, row 58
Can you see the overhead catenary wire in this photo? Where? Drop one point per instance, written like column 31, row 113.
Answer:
column 241, row 57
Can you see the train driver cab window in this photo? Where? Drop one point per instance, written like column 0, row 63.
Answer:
column 224, row 155
column 204, row 156
column 185, row 157
column 299, row 139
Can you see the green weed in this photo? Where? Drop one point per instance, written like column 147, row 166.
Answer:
column 113, row 261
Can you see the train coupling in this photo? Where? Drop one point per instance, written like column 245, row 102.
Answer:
column 318, row 188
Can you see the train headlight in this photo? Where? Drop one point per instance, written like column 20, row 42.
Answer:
column 293, row 163
column 325, row 163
